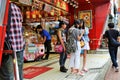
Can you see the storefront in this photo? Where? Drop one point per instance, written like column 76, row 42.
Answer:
column 96, row 12
column 48, row 12
column 44, row 12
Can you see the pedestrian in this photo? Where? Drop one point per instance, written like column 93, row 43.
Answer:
column 86, row 46
column 61, row 40
column 16, row 39
column 112, row 49
column 46, row 40
column 75, row 57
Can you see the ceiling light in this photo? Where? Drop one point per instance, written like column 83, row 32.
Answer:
column 71, row 3
column 76, row 6
column 88, row 1
column 68, row 1
column 65, row 0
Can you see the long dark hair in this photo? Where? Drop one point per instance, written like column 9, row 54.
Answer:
column 83, row 26
column 76, row 22
column 62, row 23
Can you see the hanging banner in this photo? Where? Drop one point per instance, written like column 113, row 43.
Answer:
column 49, row 1
column 47, row 8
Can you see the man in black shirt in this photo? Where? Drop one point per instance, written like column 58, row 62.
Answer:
column 112, row 49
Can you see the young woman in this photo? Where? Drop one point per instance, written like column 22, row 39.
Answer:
column 75, row 57
column 86, row 47
column 61, row 40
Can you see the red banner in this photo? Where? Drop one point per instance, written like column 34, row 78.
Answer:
column 3, row 21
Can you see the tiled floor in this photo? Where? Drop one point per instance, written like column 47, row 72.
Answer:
column 93, row 61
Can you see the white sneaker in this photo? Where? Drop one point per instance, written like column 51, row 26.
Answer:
column 117, row 69
column 117, row 61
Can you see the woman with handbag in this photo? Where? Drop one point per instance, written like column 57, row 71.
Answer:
column 75, row 56
column 86, row 47
column 109, row 34
column 61, row 41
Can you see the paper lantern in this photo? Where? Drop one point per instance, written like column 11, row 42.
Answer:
column 28, row 14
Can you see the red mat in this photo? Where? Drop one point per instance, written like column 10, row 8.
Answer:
column 31, row 72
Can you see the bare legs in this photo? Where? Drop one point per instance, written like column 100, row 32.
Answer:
column 84, row 61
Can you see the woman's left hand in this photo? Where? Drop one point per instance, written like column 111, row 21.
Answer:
column 64, row 49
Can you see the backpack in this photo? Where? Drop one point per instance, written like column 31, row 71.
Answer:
column 70, row 44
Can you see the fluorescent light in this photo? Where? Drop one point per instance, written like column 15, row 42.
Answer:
column 65, row 0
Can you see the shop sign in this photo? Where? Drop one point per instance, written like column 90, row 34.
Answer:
column 49, row 1
column 50, row 19
column 87, row 16
column 47, row 8
column 59, row 3
column 38, row 5
column 27, row 2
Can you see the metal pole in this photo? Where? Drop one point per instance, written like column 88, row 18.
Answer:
column 15, row 63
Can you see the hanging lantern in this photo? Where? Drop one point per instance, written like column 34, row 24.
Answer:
column 39, row 15
column 28, row 14
column 52, row 12
column 34, row 14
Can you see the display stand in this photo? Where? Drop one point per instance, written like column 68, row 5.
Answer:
column 34, row 48
column 33, row 52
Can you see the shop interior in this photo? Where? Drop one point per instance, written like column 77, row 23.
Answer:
column 47, row 14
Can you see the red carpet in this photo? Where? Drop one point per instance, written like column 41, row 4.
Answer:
column 31, row 72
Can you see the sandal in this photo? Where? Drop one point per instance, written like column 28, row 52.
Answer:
column 73, row 72
column 85, row 70
column 80, row 73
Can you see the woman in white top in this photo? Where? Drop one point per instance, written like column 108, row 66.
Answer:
column 75, row 57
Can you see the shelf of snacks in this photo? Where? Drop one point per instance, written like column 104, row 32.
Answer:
column 34, row 48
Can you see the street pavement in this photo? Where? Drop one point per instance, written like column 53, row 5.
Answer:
column 97, row 64
column 111, row 74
